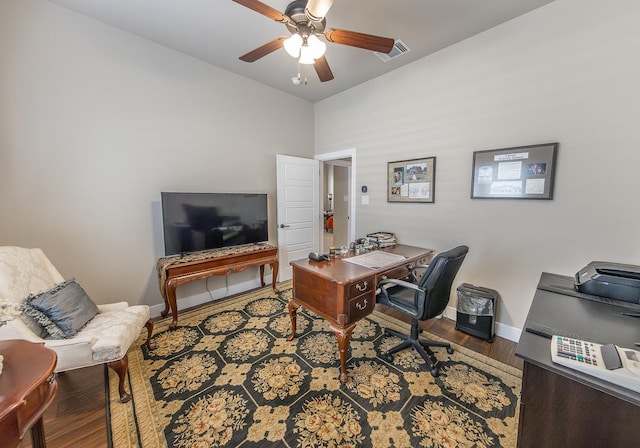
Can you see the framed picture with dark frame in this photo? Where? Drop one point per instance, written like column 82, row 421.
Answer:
column 411, row 180
column 522, row 172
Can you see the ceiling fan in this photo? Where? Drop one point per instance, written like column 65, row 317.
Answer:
column 305, row 20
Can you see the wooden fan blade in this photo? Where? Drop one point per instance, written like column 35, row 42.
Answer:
column 360, row 40
column 263, row 9
column 264, row 50
column 322, row 69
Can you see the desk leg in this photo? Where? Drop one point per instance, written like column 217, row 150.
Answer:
column 344, row 336
column 171, row 302
column 293, row 308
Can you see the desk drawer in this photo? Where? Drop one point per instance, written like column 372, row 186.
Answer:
column 361, row 287
column 400, row 273
column 361, row 306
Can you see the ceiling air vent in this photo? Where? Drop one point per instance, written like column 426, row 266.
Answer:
column 398, row 49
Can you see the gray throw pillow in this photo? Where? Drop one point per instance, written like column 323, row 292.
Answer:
column 67, row 305
column 39, row 323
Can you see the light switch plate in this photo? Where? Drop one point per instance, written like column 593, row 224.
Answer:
column 365, row 200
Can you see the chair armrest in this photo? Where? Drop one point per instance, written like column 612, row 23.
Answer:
column 418, row 300
column 396, row 282
column 112, row 307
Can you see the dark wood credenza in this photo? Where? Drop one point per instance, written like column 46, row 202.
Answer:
column 343, row 293
column 177, row 270
column 561, row 407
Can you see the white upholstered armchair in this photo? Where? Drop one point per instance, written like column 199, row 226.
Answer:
column 80, row 332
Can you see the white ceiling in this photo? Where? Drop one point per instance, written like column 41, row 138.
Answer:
column 219, row 31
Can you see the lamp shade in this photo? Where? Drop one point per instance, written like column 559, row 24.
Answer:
column 292, row 45
column 306, row 55
column 317, row 46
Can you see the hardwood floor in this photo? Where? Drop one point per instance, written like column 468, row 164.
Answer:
column 77, row 417
column 500, row 349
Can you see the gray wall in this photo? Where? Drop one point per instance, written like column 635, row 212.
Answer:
column 95, row 123
column 568, row 72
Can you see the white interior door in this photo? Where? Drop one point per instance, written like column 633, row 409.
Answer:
column 298, row 204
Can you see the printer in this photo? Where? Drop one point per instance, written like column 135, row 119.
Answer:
column 612, row 280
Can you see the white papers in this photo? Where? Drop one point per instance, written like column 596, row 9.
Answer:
column 419, row 190
column 534, row 186
column 374, row 260
column 509, row 187
column 509, row 170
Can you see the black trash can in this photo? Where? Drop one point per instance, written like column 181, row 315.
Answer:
column 476, row 311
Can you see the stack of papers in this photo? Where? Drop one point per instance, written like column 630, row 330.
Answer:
column 383, row 239
column 375, row 260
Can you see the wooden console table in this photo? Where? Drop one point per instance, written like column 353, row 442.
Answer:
column 343, row 292
column 27, row 388
column 177, row 270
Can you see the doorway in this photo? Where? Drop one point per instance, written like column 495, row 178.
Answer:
column 337, row 191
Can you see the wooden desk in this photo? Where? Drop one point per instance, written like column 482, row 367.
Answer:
column 177, row 270
column 343, row 293
column 27, row 388
column 561, row 407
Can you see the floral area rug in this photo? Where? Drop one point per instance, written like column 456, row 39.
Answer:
column 227, row 377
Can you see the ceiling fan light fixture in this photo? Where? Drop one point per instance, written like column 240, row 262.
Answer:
column 318, row 47
column 316, row 10
column 306, row 55
column 293, row 44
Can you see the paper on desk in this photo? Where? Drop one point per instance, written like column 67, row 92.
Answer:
column 376, row 259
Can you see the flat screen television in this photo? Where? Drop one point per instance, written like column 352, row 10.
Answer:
column 201, row 221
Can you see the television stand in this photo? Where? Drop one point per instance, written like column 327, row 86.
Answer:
column 177, row 270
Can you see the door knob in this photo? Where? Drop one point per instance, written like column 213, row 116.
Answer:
column 282, row 226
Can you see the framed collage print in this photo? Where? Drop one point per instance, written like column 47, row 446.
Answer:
column 411, row 180
column 523, row 172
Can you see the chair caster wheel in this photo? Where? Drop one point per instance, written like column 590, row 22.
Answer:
column 434, row 373
column 449, row 350
column 388, row 357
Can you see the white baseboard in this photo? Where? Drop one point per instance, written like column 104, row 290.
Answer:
column 206, row 297
column 502, row 330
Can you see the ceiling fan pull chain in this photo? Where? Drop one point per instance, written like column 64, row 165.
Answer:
column 297, row 80
column 299, row 70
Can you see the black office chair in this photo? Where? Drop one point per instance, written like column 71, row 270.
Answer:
column 424, row 299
